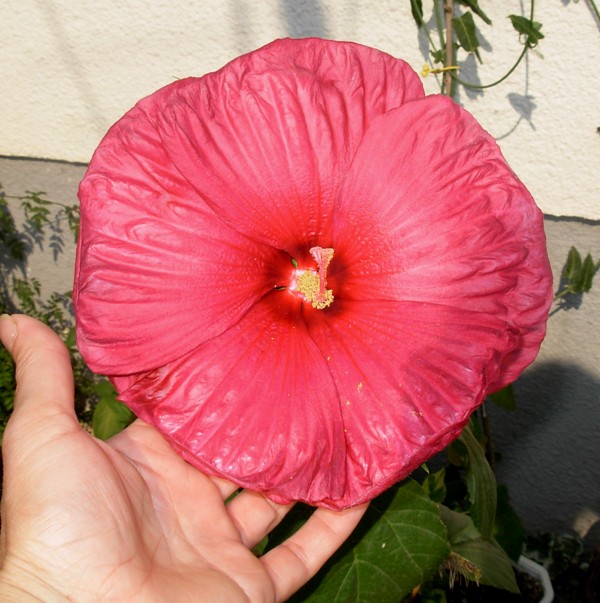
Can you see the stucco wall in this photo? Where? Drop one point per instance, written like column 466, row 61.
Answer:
column 71, row 68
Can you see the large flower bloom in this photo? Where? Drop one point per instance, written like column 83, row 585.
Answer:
column 305, row 273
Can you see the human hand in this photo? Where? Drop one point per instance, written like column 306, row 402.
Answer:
column 128, row 519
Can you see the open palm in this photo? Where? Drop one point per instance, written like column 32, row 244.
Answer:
column 128, row 519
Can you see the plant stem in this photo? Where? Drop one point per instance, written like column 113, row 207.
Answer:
column 439, row 24
column 424, row 26
column 595, row 9
column 498, row 81
column 489, row 443
column 449, row 54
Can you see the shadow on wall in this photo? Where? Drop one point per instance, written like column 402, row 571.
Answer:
column 304, row 19
column 549, row 447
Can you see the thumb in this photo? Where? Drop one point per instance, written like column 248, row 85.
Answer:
column 43, row 370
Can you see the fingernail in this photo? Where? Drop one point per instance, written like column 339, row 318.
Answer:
column 8, row 331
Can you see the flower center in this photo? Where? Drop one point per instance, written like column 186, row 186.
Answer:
column 312, row 284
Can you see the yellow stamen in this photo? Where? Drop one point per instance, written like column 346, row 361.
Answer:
column 313, row 285
column 427, row 69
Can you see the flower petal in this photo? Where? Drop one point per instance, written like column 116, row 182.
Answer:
column 387, row 385
column 256, row 405
column 408, row 376
column 433, row 214
column 266, row 140
column 157, row 272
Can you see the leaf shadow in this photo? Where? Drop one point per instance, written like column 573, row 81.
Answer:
column 304, row 19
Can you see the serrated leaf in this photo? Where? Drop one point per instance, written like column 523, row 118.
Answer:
column 481, row 484
column 400, row 542
column 416, row 8
column 466, row 35
column 474, row 6
column 110, row 417
column 528, row 28
column 505, row 398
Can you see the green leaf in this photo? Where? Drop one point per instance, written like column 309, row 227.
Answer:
column 577, row 275
column 110, row 415
column 528, row 28
column 588, row 271
column 460, row 527
column 489, row 557
column 259, row 549
column 474, row 557
column 466, row 33
column 434, row 486
column 437, row 56
column 474, row 6
column 508, row 529
column 70, row 340
column 400, row 542
column 505, row 398
column 571, row 272
column 416, row 8
column 481, row 484
column 105, row 389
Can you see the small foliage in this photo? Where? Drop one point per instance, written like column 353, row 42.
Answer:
column 530, row 30
column 399, row 543
column 505, row 398
column 466, row 34
column 577, row 278
column 416, row 8
column 474, row 6
column 110, row 415
column 39, row 220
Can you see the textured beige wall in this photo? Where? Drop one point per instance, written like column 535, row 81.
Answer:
column 71, row 68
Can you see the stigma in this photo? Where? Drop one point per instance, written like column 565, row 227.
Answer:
column 313, row 284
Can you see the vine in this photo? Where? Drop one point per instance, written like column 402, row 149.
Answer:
column 460, row 32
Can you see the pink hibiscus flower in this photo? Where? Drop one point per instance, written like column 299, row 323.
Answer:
column 305, row 273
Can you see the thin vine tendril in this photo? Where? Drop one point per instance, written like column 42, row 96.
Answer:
column 509, row 72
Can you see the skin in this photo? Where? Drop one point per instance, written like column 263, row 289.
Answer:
column 128, row 519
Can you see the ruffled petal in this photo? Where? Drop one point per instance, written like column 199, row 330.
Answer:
column 430, row 212
column 256, row 405
column 195, row 202
column 157, row 272
column 332, row 415
column 408, row 376
column 266, row 140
